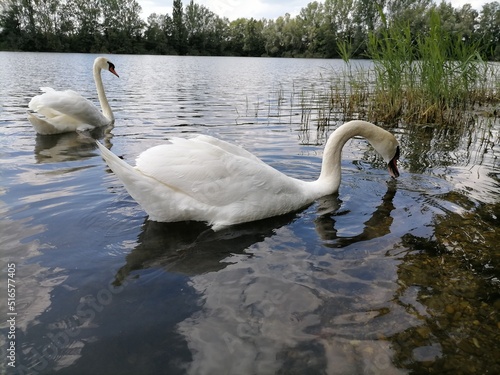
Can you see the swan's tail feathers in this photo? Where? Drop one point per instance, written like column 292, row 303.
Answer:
column 137, row 184
column 123, row 170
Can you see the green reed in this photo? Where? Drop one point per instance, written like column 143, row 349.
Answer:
column 431, row 78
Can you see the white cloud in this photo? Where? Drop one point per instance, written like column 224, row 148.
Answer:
column 232, row 9
column 270, row 9
column 155, row 6
column 476, row 4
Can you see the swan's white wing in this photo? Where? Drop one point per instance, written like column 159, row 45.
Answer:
column 214, row 172
column 67, row 106
column 229, row 147
column 56, row 124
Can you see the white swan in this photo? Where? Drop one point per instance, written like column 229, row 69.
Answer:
column 67, row 111
column 209, row 180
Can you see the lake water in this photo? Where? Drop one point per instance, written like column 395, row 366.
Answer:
column 387, row 277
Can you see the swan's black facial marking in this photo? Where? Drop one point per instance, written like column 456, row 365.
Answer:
column 393, row 165
column 111, row 68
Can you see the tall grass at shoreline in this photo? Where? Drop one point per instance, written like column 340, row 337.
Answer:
column 434, row 79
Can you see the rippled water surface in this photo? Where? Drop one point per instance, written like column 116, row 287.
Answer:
column 391, row 277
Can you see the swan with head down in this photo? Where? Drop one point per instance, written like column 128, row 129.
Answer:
column 209, row 180
column 56, row 112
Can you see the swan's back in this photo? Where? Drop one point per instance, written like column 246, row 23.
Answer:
column 66, row 108
column 212, row 171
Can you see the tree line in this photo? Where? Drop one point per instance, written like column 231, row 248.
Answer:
column 332, row 28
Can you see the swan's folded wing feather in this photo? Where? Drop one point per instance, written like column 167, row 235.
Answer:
column 212, row 174
column 69, row 103
column 226, row 146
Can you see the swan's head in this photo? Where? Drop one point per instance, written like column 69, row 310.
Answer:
column 104, row 64
column 388, row 147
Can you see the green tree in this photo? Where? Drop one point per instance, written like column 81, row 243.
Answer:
column 282, row 37
column 179, row 34
column 254, row 39
column 20, row 25
column 246, row 37
column 489, row 29
column 122, row 25
column 461, row 22
column 236, row 37
column 11, row 29
column 366, row 19
column 48, row 24
column 337, row 25
column 87, row 35
column 156, row 35
column 204, row 29
column 220, row 35
column 467, row 18
column 311, row 18
column 409, row 12
column 285, row 37
column 447, row 15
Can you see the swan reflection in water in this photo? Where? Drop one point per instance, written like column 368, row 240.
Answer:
column 192, row 248
column 73, row 146
column 273, row 301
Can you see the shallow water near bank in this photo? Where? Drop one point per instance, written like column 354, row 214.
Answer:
column 389, row 276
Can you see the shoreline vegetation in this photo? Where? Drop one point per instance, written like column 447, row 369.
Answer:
column 430, row 60
column 321, row 29
column 435, row 78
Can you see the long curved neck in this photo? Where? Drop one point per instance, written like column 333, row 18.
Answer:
column 330, row 175
column 106, row 109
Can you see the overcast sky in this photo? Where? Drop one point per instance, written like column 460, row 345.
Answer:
column 270, row 9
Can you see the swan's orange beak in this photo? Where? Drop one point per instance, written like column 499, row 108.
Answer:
column 112, row 70
column 393, row 165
